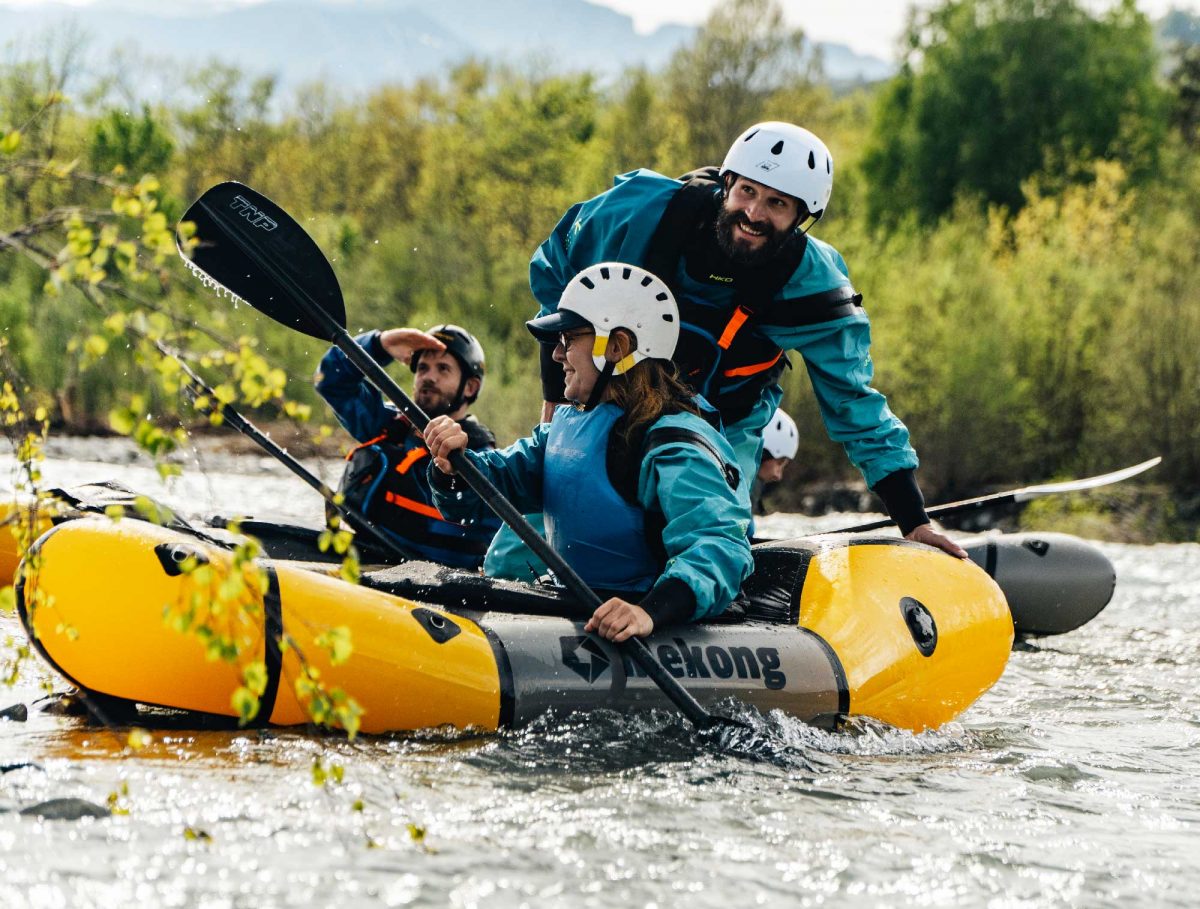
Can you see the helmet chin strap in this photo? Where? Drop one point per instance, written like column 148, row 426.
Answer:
column 601, row 385
column 812, row 222
column 455, row 404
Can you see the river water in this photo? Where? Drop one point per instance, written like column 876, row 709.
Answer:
column 1074, row 781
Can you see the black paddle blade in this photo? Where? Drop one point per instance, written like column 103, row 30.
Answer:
column 255, row 250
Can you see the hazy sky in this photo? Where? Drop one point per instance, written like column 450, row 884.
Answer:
column 867, row 26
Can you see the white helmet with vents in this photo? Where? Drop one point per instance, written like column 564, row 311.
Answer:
column 787, row 158
column 781, row 438
column 612, row 295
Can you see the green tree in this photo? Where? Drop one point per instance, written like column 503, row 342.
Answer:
column 226, row 134
column 720, row 84
column 631, row 130
column 1185, row 85
column 996, row 91
column 134, row 144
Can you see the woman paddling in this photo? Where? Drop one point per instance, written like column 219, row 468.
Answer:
column 640, row 493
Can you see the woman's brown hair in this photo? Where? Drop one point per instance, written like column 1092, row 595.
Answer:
column 648, row 391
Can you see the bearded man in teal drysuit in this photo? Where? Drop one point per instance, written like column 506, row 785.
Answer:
column 752, row 285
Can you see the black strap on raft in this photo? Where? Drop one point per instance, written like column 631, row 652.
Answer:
column 273, row 648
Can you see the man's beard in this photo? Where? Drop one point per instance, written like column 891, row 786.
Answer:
column 433, row 402
column 774, row 240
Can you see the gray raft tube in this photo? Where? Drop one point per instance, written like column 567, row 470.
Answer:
column 1054, row 583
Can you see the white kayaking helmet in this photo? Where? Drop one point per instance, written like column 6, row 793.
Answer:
column 781, row 438
column 612, row 295
column 787, row 158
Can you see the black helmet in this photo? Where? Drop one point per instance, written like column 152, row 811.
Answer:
column 466, row 350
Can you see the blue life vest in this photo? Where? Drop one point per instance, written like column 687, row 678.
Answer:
column 599, row 533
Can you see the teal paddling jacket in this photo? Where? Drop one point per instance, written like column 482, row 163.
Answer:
column 617, row 226
column 704, row 526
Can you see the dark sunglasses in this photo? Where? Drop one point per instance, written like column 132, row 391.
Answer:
column 565, row 339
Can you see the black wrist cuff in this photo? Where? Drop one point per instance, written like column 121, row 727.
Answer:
column 553, row 381
column 903, row 500
column 671, row 602
column 371, row 342
column 444, row 482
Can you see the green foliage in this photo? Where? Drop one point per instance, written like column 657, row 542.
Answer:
column 997, row 91
column 1125, row 513
column 128, row 144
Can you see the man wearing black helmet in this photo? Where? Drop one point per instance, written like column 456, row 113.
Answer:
column 386, row 476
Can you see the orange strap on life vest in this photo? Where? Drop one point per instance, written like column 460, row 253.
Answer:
column 378, row 438
column 732, row 327
column 753, row 367
column 414, row 455
column 413, row 505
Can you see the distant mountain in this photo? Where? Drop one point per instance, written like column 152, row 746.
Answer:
column 1178, row 26
column 356, row 45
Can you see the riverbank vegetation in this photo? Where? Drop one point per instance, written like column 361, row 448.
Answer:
column 1019, row 207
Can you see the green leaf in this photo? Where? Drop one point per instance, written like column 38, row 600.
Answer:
column 95, row 346
column 255, row 676
column 246, row 703
column 122, row 420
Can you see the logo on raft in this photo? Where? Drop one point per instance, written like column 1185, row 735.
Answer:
column 587, row 657
column 247, row 210
column 920, row 625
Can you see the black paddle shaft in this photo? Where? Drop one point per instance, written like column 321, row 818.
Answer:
column 250, row 246
column 239, row 423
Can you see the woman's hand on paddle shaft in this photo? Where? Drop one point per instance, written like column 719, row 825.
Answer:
column 402, row 343
column 925, row 533
column 618, row 621
column 443, row 437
